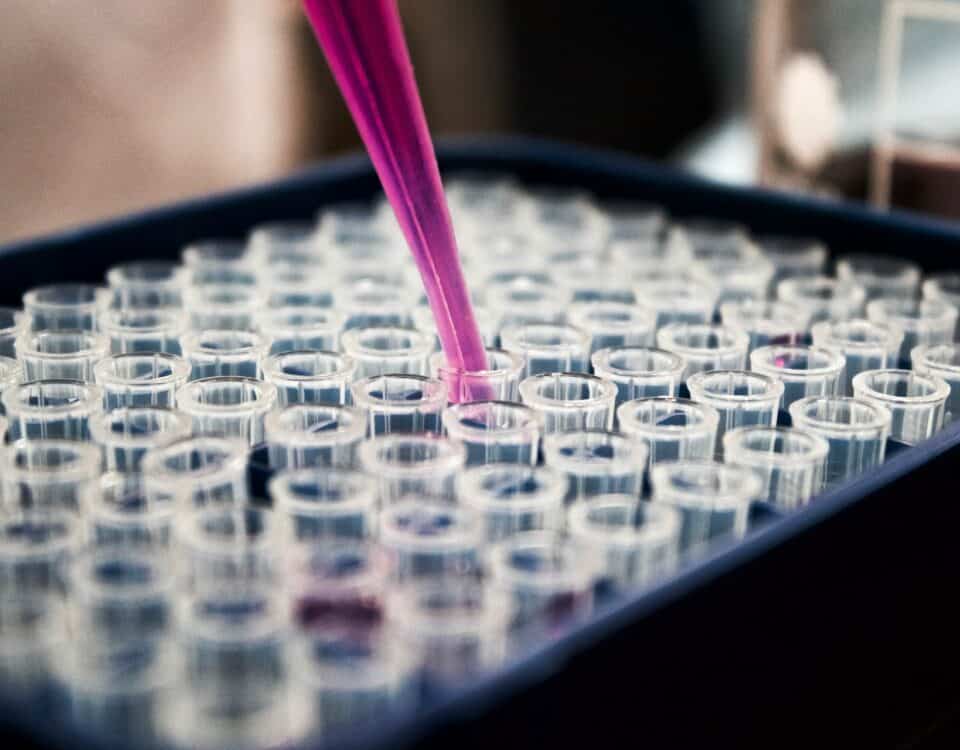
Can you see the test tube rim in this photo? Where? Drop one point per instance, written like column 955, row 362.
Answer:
column 272, row 367
column 19, row 320
column 775, row 386
column 264, row 402
column 471, row 479
column 513, row 335
column 176, row 321
column 275, row 430
column 530, row 395
column 179, row 370
column 178, row 275
column 601, row 359
column 736, row 453
column 99, row 507
column 192, row 626
column 751, row 489
column 836, row 361
column 91, row 401
column 533, row 425
column 877, row 310
column 233, row 451
column 931, row 286
column 192, row 342
column 181, row 426
column 847, row 263
column 580, row 527
column 825, row 328
column 422, row 344
column 404, row 615
column 188, row 531
column 882, row 417
column 468, row 536
column 578, row 314
column 709, row 425
column 279, row 489
column 31, row 296
column 940, row 388
column 370, row 461
column 78, row 583
column 88, row 455
column 797, row 289
column 17, row 549
column 764, row 323
column 740, row 339
column 517, row 363
column 635, row 458
column 503, row 575
column 98, row 345
column 436, row 400
column 270, row 318
column 919, row 356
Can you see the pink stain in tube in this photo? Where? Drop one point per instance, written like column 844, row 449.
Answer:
column 364, row 45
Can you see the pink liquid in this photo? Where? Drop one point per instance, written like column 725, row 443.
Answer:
column 365, row 48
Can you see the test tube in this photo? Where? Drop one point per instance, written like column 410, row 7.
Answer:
column 310, row 377
column 11, row 373
column 548, row 348
column 393, row 351
column 62, row 307
column 741, row 277
column 916, row 402
column 705, row 347
column 424, row 322
column 742, row 398
column 202, row 470
column 674, row 429
column 927, row 321
column 803, row 370
column 865, row 345
column 451, row 630
column 143, row 330
column 219, row 353
column 794, row 256
column 33, row 635
column 944, row 286
column 636, row 542
column 792, row 463
column 369, row 304
column 513, row 498
column 766, row 321
column 942, row 361
column 880, row 275
column 676, row 298
column 494, row 431
column 639, row 372
column 128, row 511
column 597, row 463
column 36, row 550
column 57, row 409
column 567, row 216
column 147, row 284
column 13, row 323
column 527, row 299
column 713, row 499
column 289, row 329
column 219, row 548
column 286, row 244
column 429, row 539
column 48, row 475
column 61, row 355
column 500, row 381
column 400, row 403
column 302, row 435
column 614, row 324
column 126, row 434
column 328, row 503
column 228, row 406
column 230, row 306
column 548, row 583
column 416, row 465
column 823, row 298
column 141, row 379
column 570, row 401
column 855, row 430
column 216, row 253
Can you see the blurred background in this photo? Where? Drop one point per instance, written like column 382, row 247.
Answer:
column 111, row 106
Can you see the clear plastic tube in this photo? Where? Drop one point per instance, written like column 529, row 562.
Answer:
column 495, row 431
column 51, row 409
column 823, row 298
column 713, row 499
column 674, row 429
column 13, row 323
column 794, row 256
column 548, row 583
column 144, row 330
column 742, row 398
column 147, row 285
column 11, row 373
column 425, row 539
column 48, row 475
column 943, row 286
column 62, row 307
column 597, row 463
column 565, row 216
column 916, row 402
column 637, row 543
column 216, row 253
column 803, row 370
column 500, row 381
column 792, row 463
column 639, row 372
column 374, row 305
column 302, row 435
column 570, row 402
column 36, row 550
column 745, row 277
column 130, row 380
column 416, row 465
column 512, row 498
column 223, row 306
column 201, row 470
column 220, row 353
column 451, row 629
column 705, row 347
column 880, row 275
column 285, row 245
column 290, row 329
column 61, row 355
column 33, row 634
column 676, row 298
column 548, row 348
column 128, row 511
column 393, row 351
column 613, row 324
column 766, row 322
column 865, row 345
column 310, row 377
column 942, row 361
column 126, row 434
column 400, row 403
column 423, row 321
column 927, row 321
column 855, row 430
column 324, row 504
column 527, row 300
column 228, row 406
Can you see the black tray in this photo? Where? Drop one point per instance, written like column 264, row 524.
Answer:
column 833, row 626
